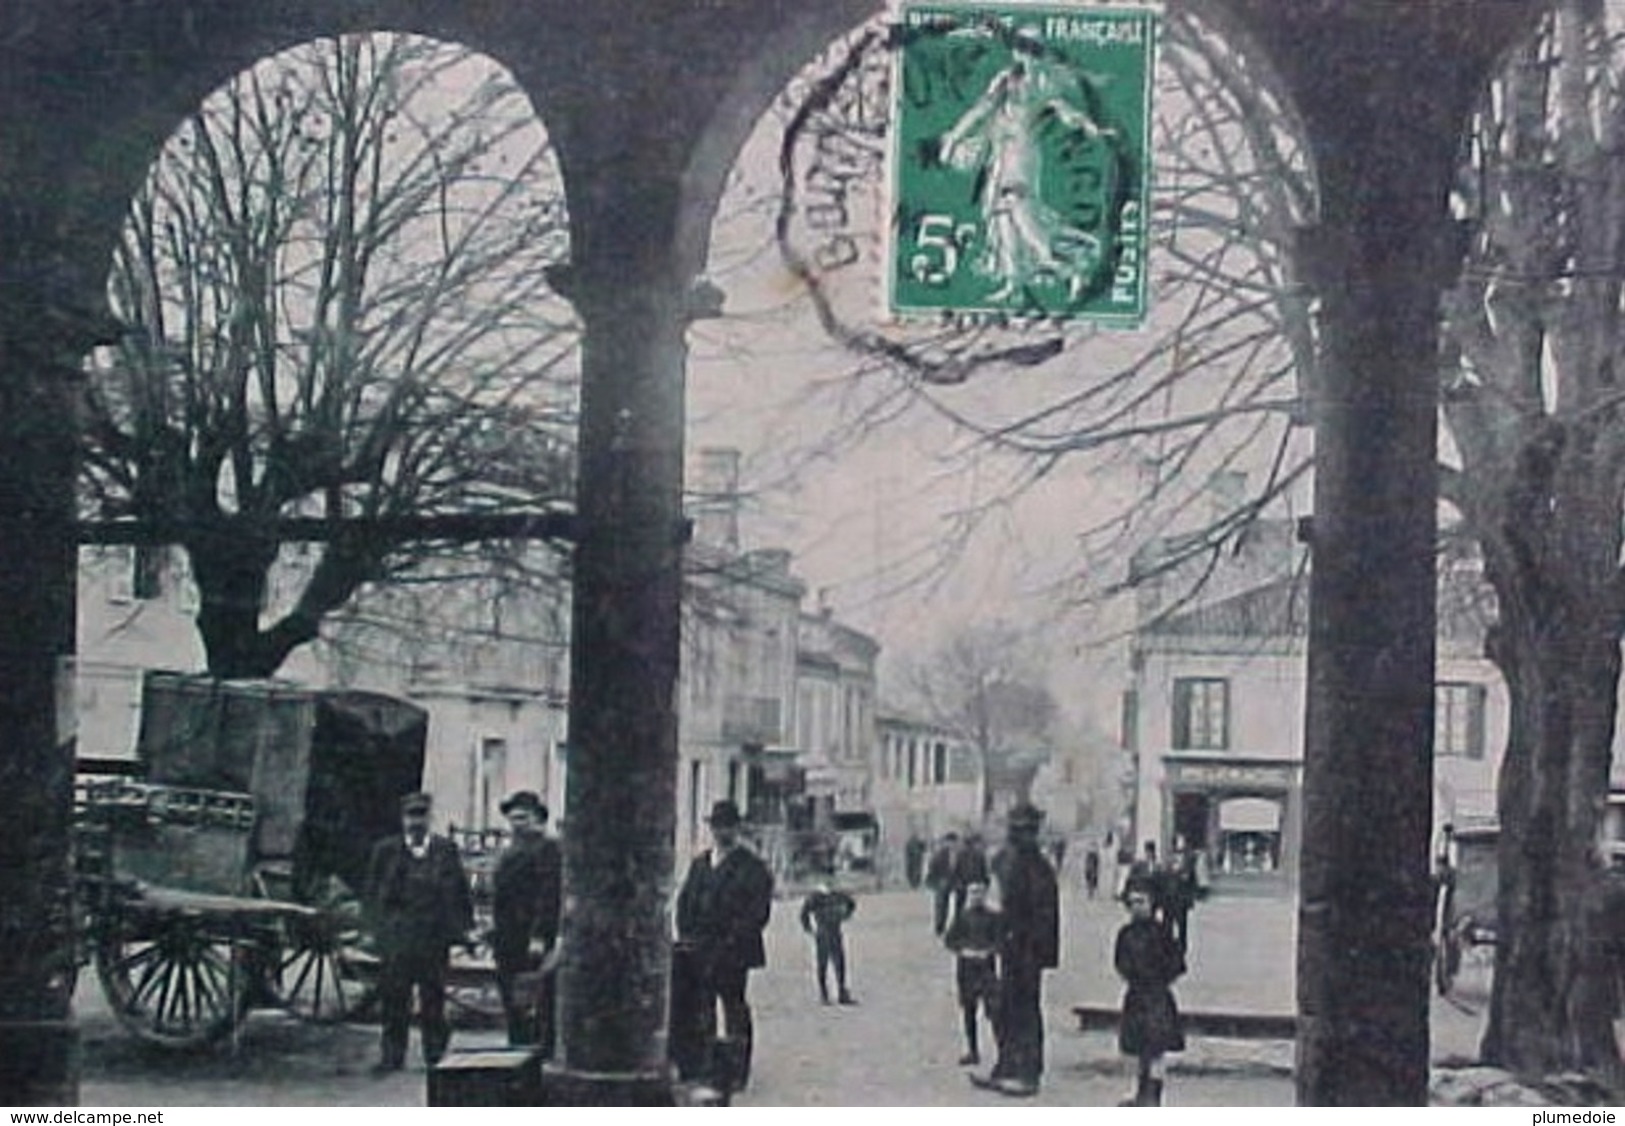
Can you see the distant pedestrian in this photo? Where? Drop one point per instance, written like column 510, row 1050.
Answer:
column 1057, row 852
column 914, row 859
column 723, row 907
column 939, row 877
column 1144, row 875
column 1148, row 961
column 418, row 898
column 823, row 915
column 970, row 868
column 973, row 936
column 1176, row 895
column 526, row 893
column 1029, row 944
column 1091, row 871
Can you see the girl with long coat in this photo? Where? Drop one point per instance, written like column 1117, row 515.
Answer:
column 1149, row 961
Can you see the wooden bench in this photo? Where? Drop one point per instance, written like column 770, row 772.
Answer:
column 494, row 1077
column 1198, row 1022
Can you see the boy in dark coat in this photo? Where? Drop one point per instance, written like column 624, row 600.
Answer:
column 823, row 913
column 973, row 936
column 1149, row 961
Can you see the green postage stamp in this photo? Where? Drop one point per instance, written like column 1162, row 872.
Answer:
column 1021, row 164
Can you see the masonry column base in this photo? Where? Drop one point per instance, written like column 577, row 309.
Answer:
column 39, row 1062
column 562, row 1086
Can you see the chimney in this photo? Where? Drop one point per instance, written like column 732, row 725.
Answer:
column 714, row 498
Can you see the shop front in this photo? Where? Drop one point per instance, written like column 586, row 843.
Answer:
column 1241, row 815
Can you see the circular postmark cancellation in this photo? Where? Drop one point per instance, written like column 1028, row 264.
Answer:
column 959, row 182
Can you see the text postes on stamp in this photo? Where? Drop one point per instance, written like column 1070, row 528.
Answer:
column 1020, row 161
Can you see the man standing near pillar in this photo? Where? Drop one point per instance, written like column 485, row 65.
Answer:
column 1029, row 944
column 526, row 890
column 721, row 911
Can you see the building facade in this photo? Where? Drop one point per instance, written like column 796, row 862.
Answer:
column 926, row 782
column 485, row 658
column 776, row 704
column 1213, row 717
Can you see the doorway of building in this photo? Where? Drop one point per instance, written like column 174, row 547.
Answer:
column 1192, row 816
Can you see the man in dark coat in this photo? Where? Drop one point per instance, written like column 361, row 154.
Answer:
column 939, row 877
column 526, row 890
column 1029, row 944
column 722, row 910
column 1175, row 893
column 914, row 859
column 418, row 897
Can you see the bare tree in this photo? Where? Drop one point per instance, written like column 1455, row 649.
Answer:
column 1532, row 402
column 1218, row 381
column 984, row 684
column 334, row 282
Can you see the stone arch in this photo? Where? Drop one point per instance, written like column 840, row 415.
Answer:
column 97, row 144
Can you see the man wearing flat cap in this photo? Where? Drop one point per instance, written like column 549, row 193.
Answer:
column 721, row 911
column 1029, row 944
column 418, row 898
column 526, row 890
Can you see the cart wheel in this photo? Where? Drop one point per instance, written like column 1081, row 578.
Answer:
column 318, row 972
column 171, row 981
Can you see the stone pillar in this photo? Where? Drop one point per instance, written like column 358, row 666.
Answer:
column 1383, row 92
column 620, row 801
column 41, row 342
column 1378, row 261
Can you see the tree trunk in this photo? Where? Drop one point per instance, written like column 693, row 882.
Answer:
column 232, row 578
column 1552, row 1005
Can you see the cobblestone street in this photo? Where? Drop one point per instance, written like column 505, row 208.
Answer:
column 897, row 1047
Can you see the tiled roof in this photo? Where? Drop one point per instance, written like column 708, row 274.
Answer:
column 1281, row 609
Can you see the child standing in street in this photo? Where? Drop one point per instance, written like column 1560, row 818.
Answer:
column 823, row 913
column 973, row 936
column 1149, row 961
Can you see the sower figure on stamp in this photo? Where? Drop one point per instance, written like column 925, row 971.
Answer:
column 419, row 900
column 823, row 913
column 1029, row 944
column 721, row 912
column 973, row 936
column 1149, row 961
column 526, row 890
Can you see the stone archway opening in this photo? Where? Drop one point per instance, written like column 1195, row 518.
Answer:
column 335, row 314
column 897, row 458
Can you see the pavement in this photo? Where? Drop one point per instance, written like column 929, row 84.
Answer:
column 898, row 1046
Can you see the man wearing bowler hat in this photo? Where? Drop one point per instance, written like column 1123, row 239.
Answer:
column 525, row 892
column 418, row 898
column 1029, row 944
column 721, row 912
